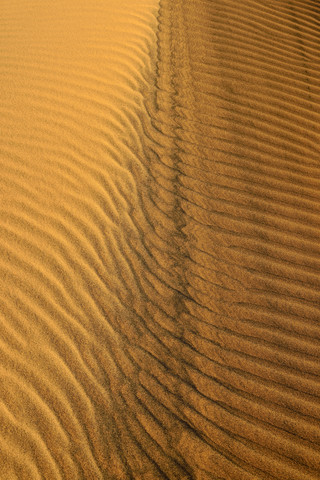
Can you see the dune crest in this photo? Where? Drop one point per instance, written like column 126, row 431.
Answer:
column 237, row 183
column 159, row 240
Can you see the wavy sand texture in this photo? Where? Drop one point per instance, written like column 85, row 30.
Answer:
column 73, row 80
column 238, row 195
column 159, row 240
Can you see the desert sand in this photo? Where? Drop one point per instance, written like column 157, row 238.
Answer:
column 160, row 240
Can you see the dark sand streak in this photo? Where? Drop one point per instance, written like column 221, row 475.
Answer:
column 241, row 387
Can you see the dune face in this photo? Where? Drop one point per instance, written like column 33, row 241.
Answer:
column 159, row 240
column 236, row 377
column 74, row 77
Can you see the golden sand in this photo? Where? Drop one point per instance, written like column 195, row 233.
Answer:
column 160, row 240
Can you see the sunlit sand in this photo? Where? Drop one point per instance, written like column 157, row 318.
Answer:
column 159, row 240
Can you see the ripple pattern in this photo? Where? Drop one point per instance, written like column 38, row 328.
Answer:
column 235, row 183
column 159, row 240
column 74, row 75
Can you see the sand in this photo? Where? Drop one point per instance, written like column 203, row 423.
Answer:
column 159, row 240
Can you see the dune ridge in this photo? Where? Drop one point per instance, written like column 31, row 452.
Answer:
column 159, row 238
column 238, row 105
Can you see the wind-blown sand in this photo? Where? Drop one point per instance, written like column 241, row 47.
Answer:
column 160, row 240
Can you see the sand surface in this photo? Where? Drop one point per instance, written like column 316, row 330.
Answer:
column 160, row 240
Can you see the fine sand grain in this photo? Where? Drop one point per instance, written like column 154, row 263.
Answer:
column 160, row 240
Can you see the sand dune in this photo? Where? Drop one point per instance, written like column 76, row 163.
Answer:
column 73, row 80
column 159, row 240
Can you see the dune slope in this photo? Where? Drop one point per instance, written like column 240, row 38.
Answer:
column 74, row 77
column 236, row 184
column 159, row 240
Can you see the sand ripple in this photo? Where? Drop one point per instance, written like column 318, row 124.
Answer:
column 159, row 240
column 73, row 78
column 237, row 193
